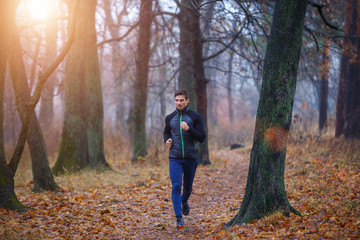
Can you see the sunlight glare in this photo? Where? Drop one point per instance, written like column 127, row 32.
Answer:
column 38, row 9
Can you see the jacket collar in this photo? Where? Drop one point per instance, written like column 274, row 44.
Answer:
column 183, row 111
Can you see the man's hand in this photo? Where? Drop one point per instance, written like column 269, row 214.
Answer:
column 184, row 126
column 168, row 143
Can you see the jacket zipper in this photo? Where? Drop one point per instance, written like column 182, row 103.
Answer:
column 182, row 140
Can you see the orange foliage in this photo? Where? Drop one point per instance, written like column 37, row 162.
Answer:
column 322, row 181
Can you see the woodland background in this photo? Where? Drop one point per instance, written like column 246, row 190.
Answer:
column 131, row 84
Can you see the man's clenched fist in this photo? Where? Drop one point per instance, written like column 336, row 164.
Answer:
column 184, row 126
column 168, row 143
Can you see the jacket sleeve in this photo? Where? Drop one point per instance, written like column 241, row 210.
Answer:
column 197, row 132
column 167, row 129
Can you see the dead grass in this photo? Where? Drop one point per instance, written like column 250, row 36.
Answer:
column 224, row 134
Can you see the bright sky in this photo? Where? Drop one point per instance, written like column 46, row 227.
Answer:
column 38, row 9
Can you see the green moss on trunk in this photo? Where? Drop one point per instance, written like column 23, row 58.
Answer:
column 8, row 198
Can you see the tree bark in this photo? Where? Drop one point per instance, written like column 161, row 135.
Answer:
column 340, row 102
column 265, row 190
column 352, row 106
column 43, row 177
column 200, row 83
column 324, row 85
column 141, row 81
column 8, row 198
column 186, row 77
column 82, row 142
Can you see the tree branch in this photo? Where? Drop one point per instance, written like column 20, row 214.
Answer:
column 312, row 34
column 37, row 93
column 226, row 46
column 209, row 2
column 161, row 13
column 120, row 38
column 21, row 28
column 319, row 7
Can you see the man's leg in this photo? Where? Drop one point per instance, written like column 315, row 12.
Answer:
column 189, row 174
column 176, row 172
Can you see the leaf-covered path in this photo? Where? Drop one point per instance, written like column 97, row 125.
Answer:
column 142, row 210
column 323, row 184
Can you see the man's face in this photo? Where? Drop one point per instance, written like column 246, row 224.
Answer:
column 181, row 102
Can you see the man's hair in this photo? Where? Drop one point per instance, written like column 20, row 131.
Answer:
column 182, row 92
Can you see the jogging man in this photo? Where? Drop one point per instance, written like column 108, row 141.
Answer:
column 183, row 128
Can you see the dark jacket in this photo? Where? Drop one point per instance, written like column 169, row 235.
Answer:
column 184, row 142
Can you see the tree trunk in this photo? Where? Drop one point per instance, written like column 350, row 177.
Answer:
column 265, row 190
column 229, row 91
column 82, row 143
column 43, row 177
column 200, row 83
column 186, row 77
column 324, row 85
column 141, row 81
column 8, row 198
column 352, row 106
column 213, row 98
column 340, row 102
column 46, row 114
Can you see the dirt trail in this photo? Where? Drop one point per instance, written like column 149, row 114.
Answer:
column 218, row 191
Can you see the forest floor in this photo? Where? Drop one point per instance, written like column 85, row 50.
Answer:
column 322, row 180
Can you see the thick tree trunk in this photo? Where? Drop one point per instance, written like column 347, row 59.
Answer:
column 324, row 85
column 8, row 198
column 265, row 190
column 95, row 121
column 4, row 47
column 43, row 178
column 340, row 102
column 82, row 143
column 352, row 106
column 200, row 83
column 141, row 81
column 186, row 77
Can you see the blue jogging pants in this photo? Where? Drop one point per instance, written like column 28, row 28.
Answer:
column 181, row 169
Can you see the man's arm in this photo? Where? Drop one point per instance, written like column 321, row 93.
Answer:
column 167, row 130
column 198, row 131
